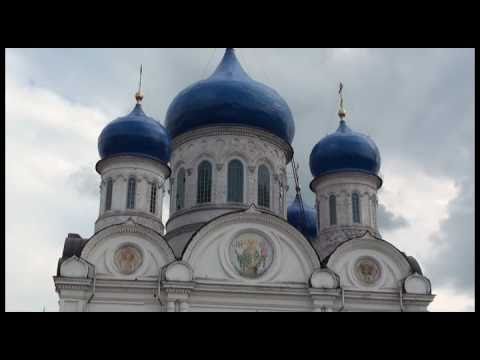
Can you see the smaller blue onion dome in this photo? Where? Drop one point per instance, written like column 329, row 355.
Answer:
column 135, row 134
column 230, row 97
column 307, row 224
column 345, row 150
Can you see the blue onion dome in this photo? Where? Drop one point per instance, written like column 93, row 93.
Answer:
column 307, row 224
column 135, row 134
column 345, row 150
column 230, row 97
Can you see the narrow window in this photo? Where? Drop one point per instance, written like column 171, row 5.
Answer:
column 333, row 210
column 318, row 215
column 153, row 198
column 374, row 211
column 108, row 201
column 356, row 208
column 263, row 186
column 180, row 189
column 280, row 199
column 235, row 181
column 132, row 184
column 204, row 183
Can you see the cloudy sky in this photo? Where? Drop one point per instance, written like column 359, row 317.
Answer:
column 417, row 104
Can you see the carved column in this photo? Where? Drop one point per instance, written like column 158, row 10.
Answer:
column 171, row 306
column 177, row 293
column 184, row 307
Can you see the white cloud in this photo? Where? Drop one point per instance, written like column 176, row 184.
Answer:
column 47, row 139
column 419, row 198
column 51, row 139
column 449, row 300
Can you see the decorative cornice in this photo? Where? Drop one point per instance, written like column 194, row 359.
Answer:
column 233, row 130
column 206, row 207
column 130, row 227
column 139, row 160
column 137, row 213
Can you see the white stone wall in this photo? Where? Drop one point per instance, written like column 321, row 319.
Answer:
column 343, row 186
column 219, row 146
column 205, row 279
column 145, row 172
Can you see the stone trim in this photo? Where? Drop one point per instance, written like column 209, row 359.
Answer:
column 129, row 227
column 255, row 217
column 220, row 130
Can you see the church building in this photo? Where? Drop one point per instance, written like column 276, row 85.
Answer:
column 232, row 242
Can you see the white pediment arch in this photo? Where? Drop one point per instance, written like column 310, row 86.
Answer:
column 288, row 258
column 128, row 251
column 369, row 264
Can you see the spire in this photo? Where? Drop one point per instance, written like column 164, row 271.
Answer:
column 230, row 67
column 341, row 112
column 139, row 95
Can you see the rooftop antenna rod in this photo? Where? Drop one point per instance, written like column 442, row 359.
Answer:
column 341, row 112
column 298, row 189
column 139, row 95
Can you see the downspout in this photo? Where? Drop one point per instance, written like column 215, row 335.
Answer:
column 343, row 299
column 158, row 291
column 402, row 308
column 94, row 284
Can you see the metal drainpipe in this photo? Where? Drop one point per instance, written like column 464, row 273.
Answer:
column 343, row 300
column 94, row 284
column 402, row 308
column 158, row 291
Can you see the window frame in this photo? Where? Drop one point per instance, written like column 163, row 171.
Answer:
column 153, row 197
column 131, row 193
column 109, row 195
column 264, row 194
column 204, row 187
column 241, row 183
column 180, row 200
column 356, row 214
column 332, row 205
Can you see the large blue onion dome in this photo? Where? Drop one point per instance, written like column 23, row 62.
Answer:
column 307, row 224
column 230, row 97
column 135, row 134
column 345, row 150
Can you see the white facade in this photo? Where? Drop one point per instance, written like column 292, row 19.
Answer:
column 129, row 265
column 342, row 186
column 147, row 173
column 219, row 146
column 227, row 245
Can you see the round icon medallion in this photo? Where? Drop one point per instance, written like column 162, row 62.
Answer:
column 128, row 259
column 251, row 255
column 367, row 270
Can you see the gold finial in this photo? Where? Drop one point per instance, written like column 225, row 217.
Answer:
column 341, row 112
column 139, row 95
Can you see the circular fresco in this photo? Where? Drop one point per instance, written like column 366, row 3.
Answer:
column 251, row 255
column 128, row 259
column 367, row 270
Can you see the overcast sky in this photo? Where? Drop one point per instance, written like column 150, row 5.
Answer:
column 417, row 104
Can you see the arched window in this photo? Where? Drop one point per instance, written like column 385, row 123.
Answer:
column 180, row 189
column 263, row 186
column 235, row 181
column 356, row 208
column 153, row 198
column 132, row 184
column 333, row 210
column 108, row 200
column 204, row 183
